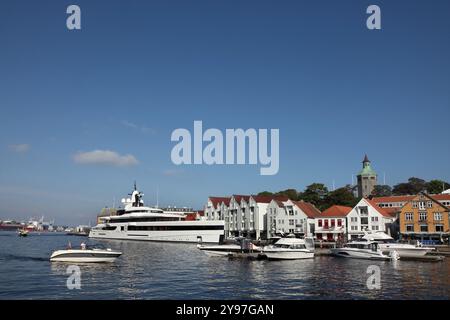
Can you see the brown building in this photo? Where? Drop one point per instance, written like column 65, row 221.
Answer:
column 423, row 217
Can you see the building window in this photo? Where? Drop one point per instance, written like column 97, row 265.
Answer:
column 320, row 222
column 339, row 222
column 374, row 227
column 438, row 216
column 439, row 228
column 374, row 219
column 409, row 216
column 333, row 223
column 291, row 222
column 430, row 204
column 421, row 205
column 423, row 228
column 422, row 216
column 409, row 228
column 414, row 204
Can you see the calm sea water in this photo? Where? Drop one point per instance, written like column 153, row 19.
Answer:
column 180, row 271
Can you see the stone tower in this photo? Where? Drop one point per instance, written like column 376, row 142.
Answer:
column 367, row 179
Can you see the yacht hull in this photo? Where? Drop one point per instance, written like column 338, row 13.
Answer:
column 190, row 236
column 414, row 252
column 286, row 255
column 354, row 254
column 85, row 256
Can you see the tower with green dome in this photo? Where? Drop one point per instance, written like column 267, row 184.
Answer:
column 367, row 179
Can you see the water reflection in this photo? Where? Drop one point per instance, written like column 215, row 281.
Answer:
column 180, row 271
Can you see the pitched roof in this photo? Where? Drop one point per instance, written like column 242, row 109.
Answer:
column 438, row 197
column 382, row 211
column 392, row 211
column 309, row 209
column 216, row 201
column 336, row 211
column 239, row 197
column 392, row 199
column 267, row 199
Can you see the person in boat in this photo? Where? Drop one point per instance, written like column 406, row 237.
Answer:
column 83, row 246
column 69, row 246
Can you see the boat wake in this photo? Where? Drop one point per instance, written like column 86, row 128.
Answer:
column 21, row 258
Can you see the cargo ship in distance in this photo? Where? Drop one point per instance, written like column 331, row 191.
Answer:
column 138, row 222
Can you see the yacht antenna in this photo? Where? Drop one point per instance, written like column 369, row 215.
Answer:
column 157, row 197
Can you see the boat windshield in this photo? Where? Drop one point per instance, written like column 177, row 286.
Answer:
column 368, row 246
column 292, row 246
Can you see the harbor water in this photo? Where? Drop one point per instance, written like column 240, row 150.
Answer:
column 149, row 270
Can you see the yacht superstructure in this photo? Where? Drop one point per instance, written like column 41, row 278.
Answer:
column 138, row 222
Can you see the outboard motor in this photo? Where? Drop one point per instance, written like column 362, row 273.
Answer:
column 199, row 241
column 309, row 243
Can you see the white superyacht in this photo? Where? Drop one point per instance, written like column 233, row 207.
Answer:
column 138, row 222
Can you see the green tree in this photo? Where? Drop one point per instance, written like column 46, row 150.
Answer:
column 382, row 191
column 437, row 186
column 343, row 197
column 314, row 193
column 290, row 193
column 265, row 193
column 413, row 186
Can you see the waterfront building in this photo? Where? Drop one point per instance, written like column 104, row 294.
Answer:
column 368, row 216
column 295, row 217
column 424, row 217
column 311, row 213
column 400, row 201
column 367, row 179
column 238, row 217
column 216, row 208
column 331, row 225
column 244, row 215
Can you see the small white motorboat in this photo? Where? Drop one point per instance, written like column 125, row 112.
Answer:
column 389, row 246
column 290, row 249
column 241, row 245
column 361, row 250
column 85, row 255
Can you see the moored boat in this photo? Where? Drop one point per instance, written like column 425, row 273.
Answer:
column 138, row 222
column 388, row 246
column 289, row 249
column 241, row 246
column 360, row 250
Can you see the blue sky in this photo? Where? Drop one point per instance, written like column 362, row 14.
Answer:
column 140, row 69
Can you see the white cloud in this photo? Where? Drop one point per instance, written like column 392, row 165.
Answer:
column 105, row 157
column 134, row 126
column 20, row 148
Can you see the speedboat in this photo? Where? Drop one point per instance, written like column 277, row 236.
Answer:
column 361, row 250
column 389, row 246
column 22, row 233
column 241, row 245
column 85, row 255
column 289, row 249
